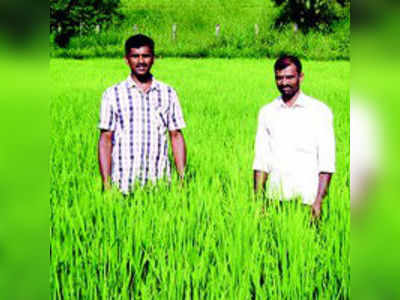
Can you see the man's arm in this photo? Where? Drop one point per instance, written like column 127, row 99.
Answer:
column 105, row 150
column 326, row 159
column 179, row 151
column 260, row 178
column 323, row 185
column 261, row 164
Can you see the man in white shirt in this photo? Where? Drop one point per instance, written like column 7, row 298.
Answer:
column 295, row 142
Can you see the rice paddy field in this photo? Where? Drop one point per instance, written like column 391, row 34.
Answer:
column 207, row 239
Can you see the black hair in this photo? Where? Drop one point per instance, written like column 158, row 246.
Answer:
column 137, row 41
column 285, row 60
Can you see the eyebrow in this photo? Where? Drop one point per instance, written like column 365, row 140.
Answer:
column 138, row 54
column 290, row 75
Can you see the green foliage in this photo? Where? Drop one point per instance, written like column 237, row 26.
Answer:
column 196, row 32
column 308, row 14
column 208, row 239
column 69, row 17
column 270, row 43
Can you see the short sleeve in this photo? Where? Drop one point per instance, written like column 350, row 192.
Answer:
column 326, row 144
column 107, row 113
column 175, row 115
column 262, row 153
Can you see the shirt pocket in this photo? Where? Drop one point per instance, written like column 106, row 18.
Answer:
column 159, row 119
column 304, row 138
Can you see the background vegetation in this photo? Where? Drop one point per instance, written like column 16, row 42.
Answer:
column 329, row 39
column 69, row 17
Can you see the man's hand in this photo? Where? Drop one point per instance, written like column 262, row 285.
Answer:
column 316, row 209
column 323, row 185
column 107, row 186
column 260, row 178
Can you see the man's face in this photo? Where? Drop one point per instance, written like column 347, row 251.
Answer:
column 288, row 81
column 140, row 60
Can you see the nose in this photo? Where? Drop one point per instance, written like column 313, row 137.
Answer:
column 140, row 58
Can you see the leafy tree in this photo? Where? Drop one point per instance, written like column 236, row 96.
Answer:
column 68, row 17
column 309, row 14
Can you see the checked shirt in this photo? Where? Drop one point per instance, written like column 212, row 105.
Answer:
column 140, row 122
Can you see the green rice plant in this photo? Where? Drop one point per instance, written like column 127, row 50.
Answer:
column 208, row 239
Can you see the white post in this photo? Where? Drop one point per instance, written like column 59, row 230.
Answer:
column 256, row 29
column 97, row 28
column 135, row 28
column 217, row 29
column 174, row 32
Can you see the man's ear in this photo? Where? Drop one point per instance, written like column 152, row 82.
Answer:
column 301, row 77
column 126, row 60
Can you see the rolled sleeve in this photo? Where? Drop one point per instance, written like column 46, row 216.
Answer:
column 107, row 113
column 261, row 159
column 175, row 116
column 326, row 145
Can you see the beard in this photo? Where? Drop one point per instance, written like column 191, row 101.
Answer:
column 288, row 91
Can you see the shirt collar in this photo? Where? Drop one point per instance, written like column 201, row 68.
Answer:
column 132, row 84
column 301, row 101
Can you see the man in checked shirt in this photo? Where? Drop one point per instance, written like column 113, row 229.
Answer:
column 295, row 142
column 135, row 116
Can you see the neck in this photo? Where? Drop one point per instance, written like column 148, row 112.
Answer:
column 147, row 78
column 291, row 99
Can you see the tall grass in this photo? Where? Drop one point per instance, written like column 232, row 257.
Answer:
column 208, row 239
column 196, row 22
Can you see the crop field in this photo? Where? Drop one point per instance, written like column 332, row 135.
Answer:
column 207, row 239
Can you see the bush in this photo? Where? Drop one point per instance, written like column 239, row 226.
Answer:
column 68, row 17
column 311, row 14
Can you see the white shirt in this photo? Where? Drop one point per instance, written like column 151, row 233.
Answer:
column 293, row 145
column 140, row 122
